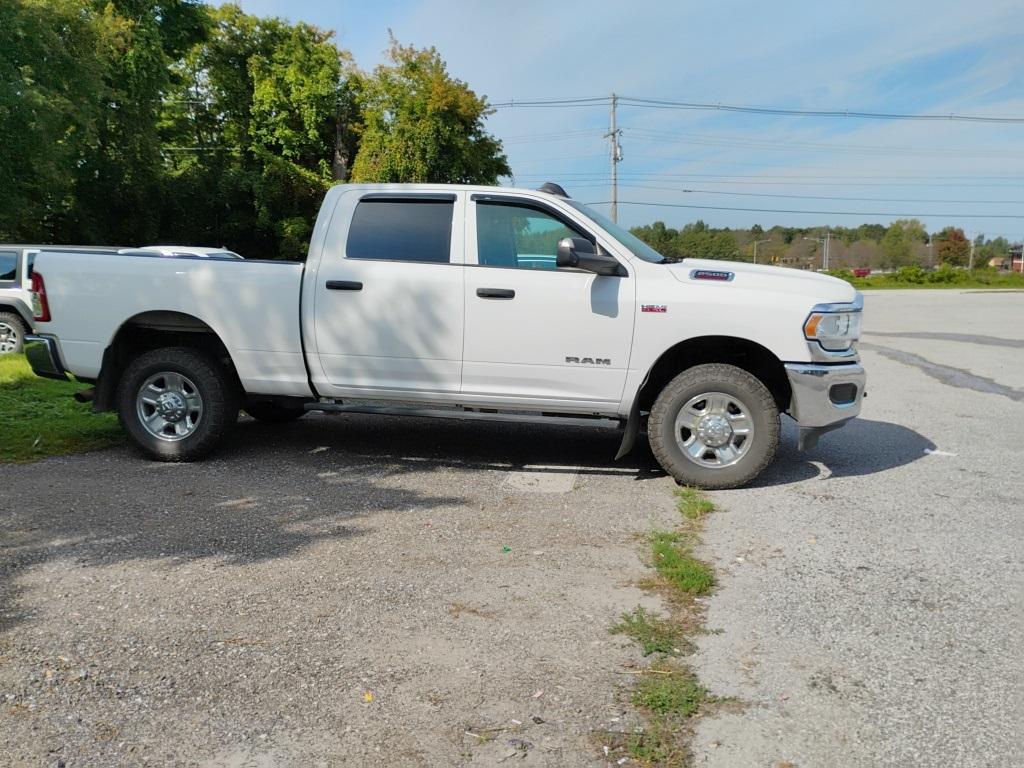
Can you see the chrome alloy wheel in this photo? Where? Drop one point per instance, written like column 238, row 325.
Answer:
column 9, row 338
column 169, row 406
column 714, row 430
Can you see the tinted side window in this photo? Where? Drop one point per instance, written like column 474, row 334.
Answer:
column 401, row 230
column 8, row 265
column 516, row 236
column 30, row 263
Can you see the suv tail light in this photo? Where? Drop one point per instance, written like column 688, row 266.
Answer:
column 40, row 306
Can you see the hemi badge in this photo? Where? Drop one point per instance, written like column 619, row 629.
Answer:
column 711, row 274
column 653, row 308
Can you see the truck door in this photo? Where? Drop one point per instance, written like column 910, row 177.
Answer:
column 535, row 331
column 388, row 301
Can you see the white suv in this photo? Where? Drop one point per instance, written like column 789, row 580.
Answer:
column 15, row 298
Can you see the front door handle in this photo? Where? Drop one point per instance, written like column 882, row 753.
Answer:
column 344, row 285
column 495, row 293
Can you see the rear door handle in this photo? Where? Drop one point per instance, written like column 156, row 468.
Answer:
column 344, row 285
column 495, row 293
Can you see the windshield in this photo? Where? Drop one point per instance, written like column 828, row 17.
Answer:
column 637, row 247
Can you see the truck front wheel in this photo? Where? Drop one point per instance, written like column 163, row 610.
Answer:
column 714, row 426
column 176, row 403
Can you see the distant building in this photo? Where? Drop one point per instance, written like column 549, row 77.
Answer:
column 1012, row 262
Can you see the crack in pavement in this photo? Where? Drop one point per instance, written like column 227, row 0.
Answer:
column 969, row 338
column 954, row 377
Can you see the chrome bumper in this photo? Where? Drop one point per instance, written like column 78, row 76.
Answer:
column 824, row 397
column 44, row 357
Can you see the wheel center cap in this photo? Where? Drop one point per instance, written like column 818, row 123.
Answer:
column 171, row 406
column 714, row 430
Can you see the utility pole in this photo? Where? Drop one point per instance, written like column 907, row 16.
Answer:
column 757, row 243
column 616, row 153
column 970, row 263
column 824, row 241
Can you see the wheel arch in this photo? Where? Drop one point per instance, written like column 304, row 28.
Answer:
column 752, row 357
column 17, row 308
column 151, row 330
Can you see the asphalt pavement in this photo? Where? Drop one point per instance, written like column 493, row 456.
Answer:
column 871, row 609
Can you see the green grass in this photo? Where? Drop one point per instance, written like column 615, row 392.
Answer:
column 692, row 504
column 39, row 418
column 943, row 277
column 653, row 634
column 667, row 692
column 680, row 569
column 669, row 689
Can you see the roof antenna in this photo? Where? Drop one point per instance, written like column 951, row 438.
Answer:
column 553, row 189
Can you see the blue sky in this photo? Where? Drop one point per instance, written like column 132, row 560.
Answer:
column 918, row 57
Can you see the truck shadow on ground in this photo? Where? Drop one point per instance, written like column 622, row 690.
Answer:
column 272, row 490
column 862, row 447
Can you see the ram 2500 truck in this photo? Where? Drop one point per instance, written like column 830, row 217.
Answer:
column 460, row 302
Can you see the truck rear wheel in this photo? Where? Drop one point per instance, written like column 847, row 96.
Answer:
column 714, row 426
column 176, row 403
column 12, row 333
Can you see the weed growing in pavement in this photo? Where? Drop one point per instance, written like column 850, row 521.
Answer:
column 669, row 689
column 667, row 692
column 692, row 503
column 654, row 634
column 677, row 566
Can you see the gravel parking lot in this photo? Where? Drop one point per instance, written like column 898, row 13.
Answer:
column 358, row 590
column 343, row 591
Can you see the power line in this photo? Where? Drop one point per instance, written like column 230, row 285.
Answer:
column 800, row 177
column 711, row 140
column 819, row 213
column 637, row 176
column 824, row 197
column 635, row 101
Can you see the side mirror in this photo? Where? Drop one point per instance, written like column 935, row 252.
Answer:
column 580, row 253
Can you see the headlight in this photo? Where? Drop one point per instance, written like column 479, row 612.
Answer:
column 835, row 326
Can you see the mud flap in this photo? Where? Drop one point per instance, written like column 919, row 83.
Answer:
column 631, row 430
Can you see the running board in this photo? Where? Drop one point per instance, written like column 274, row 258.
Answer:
column 441, row 413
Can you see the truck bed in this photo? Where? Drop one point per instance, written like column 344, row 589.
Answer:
column 253, row 306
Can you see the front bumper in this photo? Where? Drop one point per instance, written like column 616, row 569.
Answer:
column 824, row 397
column 44, row 357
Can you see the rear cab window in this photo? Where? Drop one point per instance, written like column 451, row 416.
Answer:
column 411, row 228
column 8, row 266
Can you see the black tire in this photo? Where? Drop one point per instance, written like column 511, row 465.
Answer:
column 274, row 413
column 735, row 383
column 12, row 333
column 216, row 389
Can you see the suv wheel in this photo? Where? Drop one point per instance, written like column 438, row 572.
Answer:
column 176, row 403
column 714, row 426
column 12, row 333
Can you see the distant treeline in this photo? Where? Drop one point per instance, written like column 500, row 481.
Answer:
column 134, row 121
column 903, row 243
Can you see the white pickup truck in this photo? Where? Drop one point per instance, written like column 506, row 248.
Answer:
column 459, row 302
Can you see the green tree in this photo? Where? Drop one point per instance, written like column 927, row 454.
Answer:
column 999, row 248
column 898, row 241
column 270, row 110
column 119, row 174
column 47, row 62
column 422, row 125
column 661, row 238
